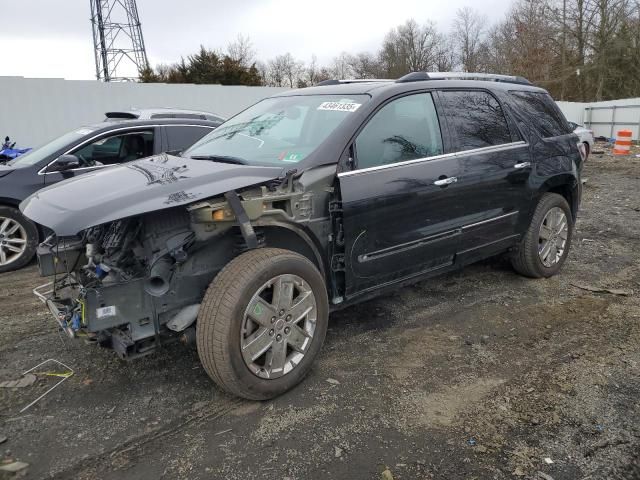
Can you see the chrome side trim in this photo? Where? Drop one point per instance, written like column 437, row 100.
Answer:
column 465, row 153
column 489, row 220
column 403, row 247
column 123, row 129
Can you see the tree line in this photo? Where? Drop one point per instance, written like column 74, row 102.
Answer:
column 579, row 50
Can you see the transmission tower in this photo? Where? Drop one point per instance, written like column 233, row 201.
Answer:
column 117, row 40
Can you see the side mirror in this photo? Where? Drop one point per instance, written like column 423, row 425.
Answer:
column 65, row 163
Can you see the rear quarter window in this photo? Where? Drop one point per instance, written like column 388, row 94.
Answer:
column 543, row 112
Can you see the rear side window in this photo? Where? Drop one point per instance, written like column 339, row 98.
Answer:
column 404, row 129
column 542, row 108
column 182, row 137
column 475, row 119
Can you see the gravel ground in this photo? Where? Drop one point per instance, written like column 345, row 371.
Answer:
column 478, row 374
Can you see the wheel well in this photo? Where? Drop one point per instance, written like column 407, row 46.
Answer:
column 282, row 237
column 13, row 204
column 565, row 191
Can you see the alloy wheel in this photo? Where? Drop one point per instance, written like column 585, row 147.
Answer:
column 13, row 240
column 278, row 326
column 552, row 239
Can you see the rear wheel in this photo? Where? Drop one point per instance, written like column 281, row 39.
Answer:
column 262, row 323
column 545, row 246
column 18, row 239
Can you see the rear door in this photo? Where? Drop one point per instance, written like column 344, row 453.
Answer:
column 495, row 166
column 398, row 202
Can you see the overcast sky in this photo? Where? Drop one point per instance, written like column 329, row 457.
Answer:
column 52, row 38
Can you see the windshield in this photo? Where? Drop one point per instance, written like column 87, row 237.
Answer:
column 277, row 131
column 39, row 154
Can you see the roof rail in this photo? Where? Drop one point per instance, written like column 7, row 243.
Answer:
column 345, row 82
column 487, row 77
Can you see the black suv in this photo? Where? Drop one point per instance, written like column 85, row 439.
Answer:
column 83, row 150
column 307, row 202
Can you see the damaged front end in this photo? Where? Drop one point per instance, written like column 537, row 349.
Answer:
column 136, row 279
column 130, row 264
column 126, row 284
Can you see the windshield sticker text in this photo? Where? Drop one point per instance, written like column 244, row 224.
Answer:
column 339, row 107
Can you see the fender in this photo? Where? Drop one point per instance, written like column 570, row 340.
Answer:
column 301, row 234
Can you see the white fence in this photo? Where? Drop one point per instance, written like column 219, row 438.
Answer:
column 36, row 110
column 606, row 118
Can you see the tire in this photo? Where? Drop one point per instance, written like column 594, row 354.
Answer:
column 26, row 234
column 223, row 322
column 587, row 150
column 527, row 259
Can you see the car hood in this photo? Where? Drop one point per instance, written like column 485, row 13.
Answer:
column 134, row 188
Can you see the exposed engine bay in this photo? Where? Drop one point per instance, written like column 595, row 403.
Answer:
column 135, row 283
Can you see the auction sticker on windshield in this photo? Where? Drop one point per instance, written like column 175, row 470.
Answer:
column 339, row 106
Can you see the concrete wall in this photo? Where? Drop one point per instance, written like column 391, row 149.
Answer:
column 36, row 110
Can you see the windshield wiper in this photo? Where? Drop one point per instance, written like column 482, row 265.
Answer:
column 221, row 159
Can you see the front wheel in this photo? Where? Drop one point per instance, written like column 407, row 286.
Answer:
column 545, row 245
column 262, row 323
column 18, row 239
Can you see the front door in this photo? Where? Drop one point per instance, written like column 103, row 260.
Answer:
column 398, row 200
column 109, row 149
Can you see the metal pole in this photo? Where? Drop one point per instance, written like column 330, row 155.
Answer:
column 613, row 120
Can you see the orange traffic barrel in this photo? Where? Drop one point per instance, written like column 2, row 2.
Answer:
column 623, row 142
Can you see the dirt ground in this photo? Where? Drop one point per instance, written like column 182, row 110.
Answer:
column 478, row 374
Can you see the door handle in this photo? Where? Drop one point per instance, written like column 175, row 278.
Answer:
column 522, row 165
column 445, row 181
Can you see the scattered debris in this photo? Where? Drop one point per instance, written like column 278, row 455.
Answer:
column 337, row 451
column 548, row 461
column 333, row 381
column 480, row 449
column 544, row 476
column 614, row 291
column 224, row 431
column 25, row 381
column 3, row 439
column 63, row 378
column 472, row 441
column 13, row 467
column 386, row 474
column 518, row 472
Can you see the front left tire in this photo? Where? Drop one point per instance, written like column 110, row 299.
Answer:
column 262, row 323
column 18, row 239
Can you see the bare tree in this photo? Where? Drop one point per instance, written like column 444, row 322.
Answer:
column 241, row 51
column 409, row 48
column 341, row 67
column 469, row 28
column 364, row 65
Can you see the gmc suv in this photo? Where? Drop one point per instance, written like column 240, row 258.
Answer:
column 307, row 202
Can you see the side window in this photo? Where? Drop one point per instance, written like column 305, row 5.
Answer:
column 404, row 129
column 542, row 109
column 114, row 149
column 181, row 137
column 475, row 119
